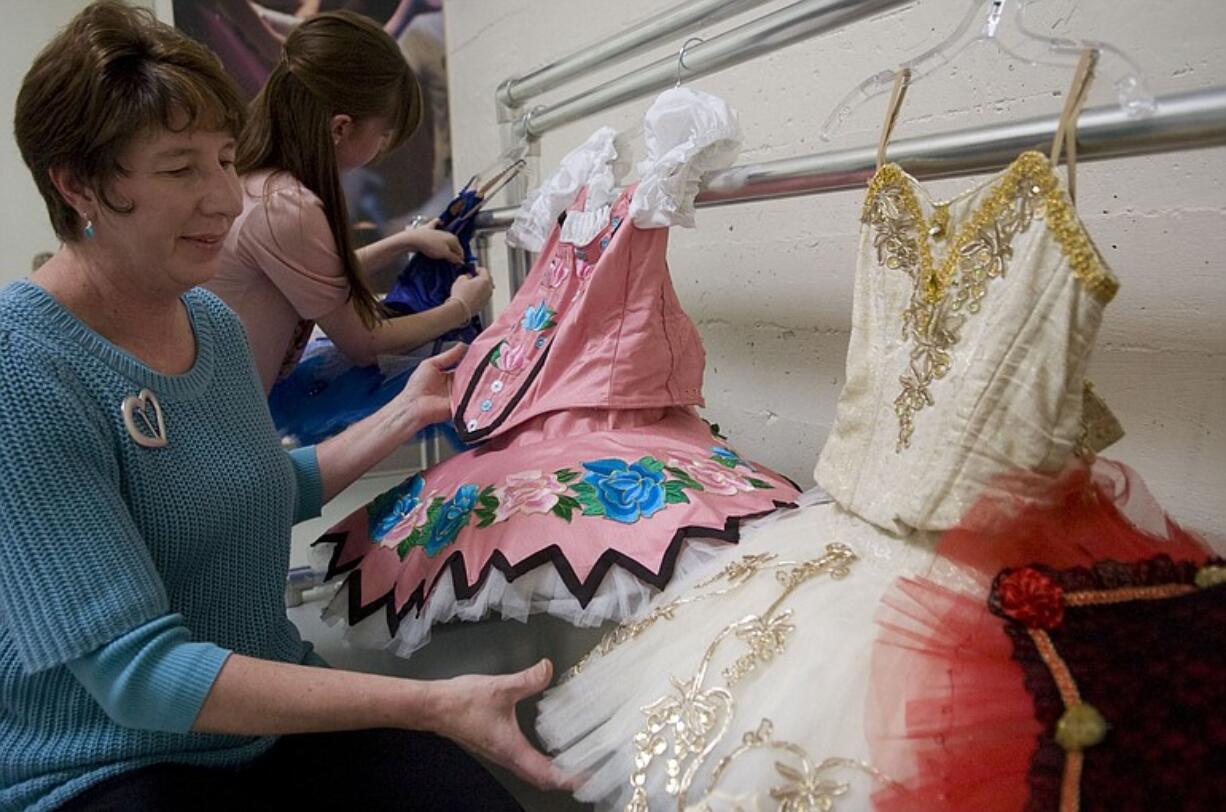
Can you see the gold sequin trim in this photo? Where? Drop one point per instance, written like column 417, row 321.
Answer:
column 1100, row 428
column 1210, row 576
column 682, row 728
column 946, row 294
column 735, row 573
column 806, row 787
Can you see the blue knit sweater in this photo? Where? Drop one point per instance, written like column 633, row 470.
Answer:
column 128, row 566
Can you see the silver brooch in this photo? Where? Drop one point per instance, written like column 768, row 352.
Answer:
column 151, row 433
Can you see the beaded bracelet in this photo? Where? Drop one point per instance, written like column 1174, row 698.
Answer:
column 468, row 313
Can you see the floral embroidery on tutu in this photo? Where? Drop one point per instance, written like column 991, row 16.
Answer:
column 624, row 491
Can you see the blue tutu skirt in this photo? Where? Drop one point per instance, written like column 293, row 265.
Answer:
column 326, row 393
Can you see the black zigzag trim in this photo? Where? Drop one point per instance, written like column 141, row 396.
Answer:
column 476, row 436
column 583, row 591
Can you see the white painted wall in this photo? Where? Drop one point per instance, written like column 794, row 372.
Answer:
column 770, row 284
column 24, row 227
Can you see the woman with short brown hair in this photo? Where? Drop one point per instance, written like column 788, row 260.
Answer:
column 146, row 661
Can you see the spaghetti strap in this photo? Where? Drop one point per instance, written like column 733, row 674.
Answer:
column 901, row 80
column 1066, row 131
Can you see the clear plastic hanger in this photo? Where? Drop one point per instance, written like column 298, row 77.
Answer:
column 1010, row 36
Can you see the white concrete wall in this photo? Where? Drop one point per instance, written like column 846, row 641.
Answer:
column 24, row 227
column 770, row 284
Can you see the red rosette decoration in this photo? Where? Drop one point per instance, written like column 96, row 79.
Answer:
column 1031, row 598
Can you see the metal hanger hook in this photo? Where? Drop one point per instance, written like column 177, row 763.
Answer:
column 681, row 56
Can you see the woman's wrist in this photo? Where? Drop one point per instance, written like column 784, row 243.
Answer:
column 465, row 311
column 429, row 706
column 402, row 424
column 408, row 239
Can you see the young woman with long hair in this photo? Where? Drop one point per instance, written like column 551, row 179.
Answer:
column 341, row 95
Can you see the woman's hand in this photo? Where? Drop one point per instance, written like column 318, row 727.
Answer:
column 427, row 395
column 424, row 400
column 435, row 243
column 474, row 291
column 478, row 712
column 253, row 697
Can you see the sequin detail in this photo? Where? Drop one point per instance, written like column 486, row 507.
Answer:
column 735, row 573
column 806, row 787
column 945, row 295
column 683, row 727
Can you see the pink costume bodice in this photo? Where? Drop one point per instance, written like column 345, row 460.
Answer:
column 595, row 326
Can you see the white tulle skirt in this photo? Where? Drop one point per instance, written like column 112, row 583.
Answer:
column 743, row 685
column 542, row 590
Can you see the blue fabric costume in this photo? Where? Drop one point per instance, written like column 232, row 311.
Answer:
column 326, row 393
column 426, row 283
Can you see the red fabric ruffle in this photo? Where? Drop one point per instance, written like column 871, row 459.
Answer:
column 952, row 717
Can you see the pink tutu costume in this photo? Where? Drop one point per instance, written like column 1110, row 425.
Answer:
column 594, row 480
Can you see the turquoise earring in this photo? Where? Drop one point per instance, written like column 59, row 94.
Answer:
column 89, row 228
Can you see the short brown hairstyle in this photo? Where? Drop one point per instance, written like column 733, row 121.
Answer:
column 113, row 73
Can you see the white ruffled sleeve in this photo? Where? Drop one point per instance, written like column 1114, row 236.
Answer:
column 540, row 209
column 687, row 133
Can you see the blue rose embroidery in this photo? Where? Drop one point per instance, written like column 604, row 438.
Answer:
column 627, row 492
column 538, row 317
column 391, row 507
column 452, row 518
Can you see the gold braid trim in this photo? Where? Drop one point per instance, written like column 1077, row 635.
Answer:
column 1032, row 167
column 945, row 295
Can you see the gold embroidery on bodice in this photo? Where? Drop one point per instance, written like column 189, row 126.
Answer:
column 947, row 293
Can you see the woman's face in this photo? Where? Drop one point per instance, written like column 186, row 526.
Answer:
column 184, row 195
column 363, row 141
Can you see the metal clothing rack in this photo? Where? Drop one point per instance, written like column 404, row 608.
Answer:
column 683, row 17
column 1180, row 122
column 770, row 32
column 785, row 26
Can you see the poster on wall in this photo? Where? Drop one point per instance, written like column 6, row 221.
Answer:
column 414, row 180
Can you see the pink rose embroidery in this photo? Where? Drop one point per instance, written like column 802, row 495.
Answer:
column 527, row 492
column 716, row 478
column 512, row 357
column 414, row 519
column 584, row 270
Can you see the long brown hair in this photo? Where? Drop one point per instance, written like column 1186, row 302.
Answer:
column 333, row 63
column 112, row 74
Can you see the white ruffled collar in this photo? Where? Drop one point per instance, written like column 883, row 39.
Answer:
column 591, row 165
column 686, row 132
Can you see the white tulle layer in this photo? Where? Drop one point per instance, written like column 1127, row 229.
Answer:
column 813, row 693
column 619, row 596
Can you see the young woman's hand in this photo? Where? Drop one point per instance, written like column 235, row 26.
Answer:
column 479, row 713
column 475, row 290
column 435, row 243
column 427, row 395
